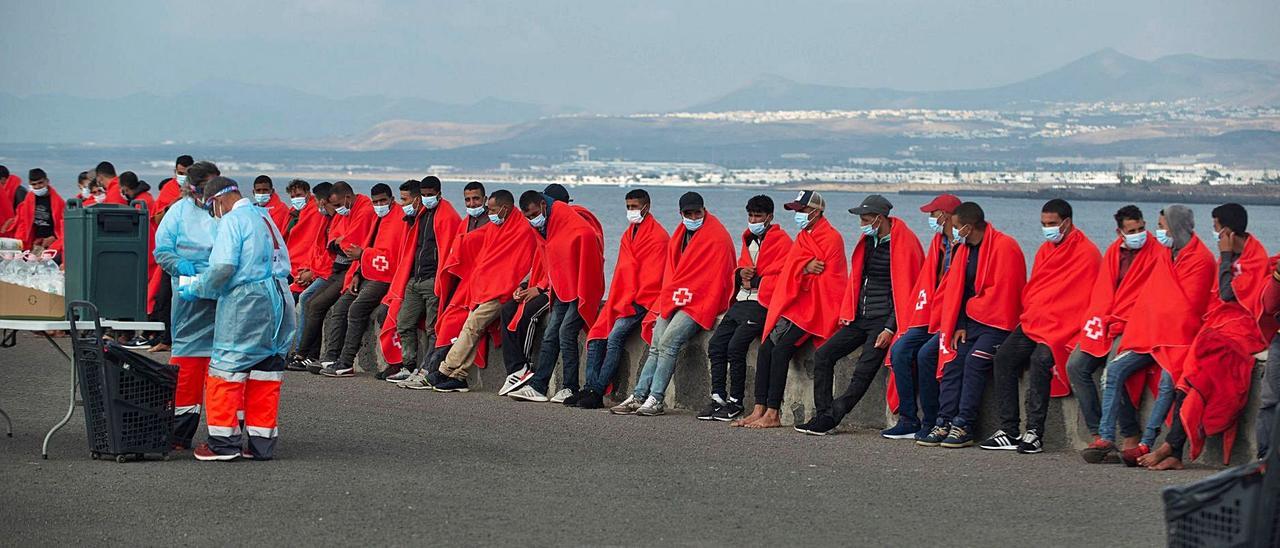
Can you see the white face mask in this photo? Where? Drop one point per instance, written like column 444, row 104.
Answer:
column 1052, row 234
column 182, row 179
column 634, row 216
column 476, row 211
column 495, row 219
column 692, row 224
column 261, row 199
column 1164, row 238
column 935, row 226
column 1135, row 241
column 539, row 221
column 430, row 202
column 298, row 202
column 100, row 197
column 408, row 210
column 40, row 192
column 757, row 228
column 382, row 210
column 85, row 192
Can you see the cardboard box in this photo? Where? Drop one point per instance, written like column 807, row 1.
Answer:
column 18, row 302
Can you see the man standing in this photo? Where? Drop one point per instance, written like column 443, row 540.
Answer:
column 764, row 248
column 39, row 224
column 981, row 298
column 877, row 300
column 264, row 196
column 106, row 176
column 11, row 194
column 247, row 275
column 812, row 279
column 696, row 287
column 1054, row 303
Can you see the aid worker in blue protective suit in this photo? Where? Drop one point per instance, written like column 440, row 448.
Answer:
column 184, row 240
column 248, row 275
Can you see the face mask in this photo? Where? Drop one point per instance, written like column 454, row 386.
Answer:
column 342, row 210
column 802, row 219
column 955, row 235
column 757, row 228
column 634, row 216
column 935, row 226
column 430, row 202
column 1217, row 236
column 1135, row 241
column 868, row 230
column 1164, row 238
column 323, row 211
column 40, row 191
column 298, row 202
column 408, row 209
column 495, row 219
column 85, row 193
column 691, row 224
column 1053, row 234
column 100, row 197
column 539, row 221
column 381, row 210
column 476, row 211
column 182, row 179
column 261, row 199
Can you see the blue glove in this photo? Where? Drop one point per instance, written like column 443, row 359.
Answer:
column 188, row 293
column 186, row 268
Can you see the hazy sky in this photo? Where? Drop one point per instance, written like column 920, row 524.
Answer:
column 601, row 55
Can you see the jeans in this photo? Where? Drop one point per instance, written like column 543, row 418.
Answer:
column 773, row 360
column 559, row 341
column 727, row 350
column 862, row 334
column 317, row 285
column 1080, row 369
column 516, row 345
column 965, row 377
column 348, row 320
column 604, row 355
column 1017, row 353
column 669, row 337
column 1114, row 395
column 1269, row 411
column 419, row 303
column 914, row 378
column 1160, row 410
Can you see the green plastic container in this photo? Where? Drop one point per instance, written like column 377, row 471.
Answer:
column 105, row 258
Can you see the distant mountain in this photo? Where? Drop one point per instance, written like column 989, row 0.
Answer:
column 234, row 111
column 1106, row 75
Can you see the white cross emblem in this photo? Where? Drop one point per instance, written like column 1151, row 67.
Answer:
column 1093, row 329
column 942, row 345
column 682, row 296
column 923, row 300
column 395, row 340
column 381, row 264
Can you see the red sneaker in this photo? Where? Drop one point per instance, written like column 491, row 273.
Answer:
column 204, row 452
column 1098, row 451
column 1131, row 456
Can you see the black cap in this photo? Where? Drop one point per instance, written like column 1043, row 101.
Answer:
column 557, row 192
column 874, row 204
column 691, row 201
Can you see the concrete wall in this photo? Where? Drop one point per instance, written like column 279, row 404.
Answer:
column 691, row 386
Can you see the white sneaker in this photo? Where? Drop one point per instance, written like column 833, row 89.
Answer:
column 652, row 407
column 402, row 374
column 628, row 406
column 516, row 380
column 562, row 395
column 528, row 394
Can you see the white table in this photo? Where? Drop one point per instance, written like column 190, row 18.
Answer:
column 41, row 327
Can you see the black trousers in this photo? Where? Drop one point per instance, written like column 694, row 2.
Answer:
column 348, row 319
column 162, row 310
column 772, row 363
column 728, row 347
column 1017, row 353
column 1177, row 438
column 861, row 333
column 518, row 344
column 316, row 309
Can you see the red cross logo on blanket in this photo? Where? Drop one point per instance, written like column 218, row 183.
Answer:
column 1093, row 329
column 380, row 263
column 395, row 340
column 682, row 296
column 942, row 345
column 923, row 300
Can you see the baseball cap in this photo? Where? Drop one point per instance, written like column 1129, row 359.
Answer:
column 806, row 198
column 691, row 201
column 874, row 204
column 557, row 192
column 944, row 202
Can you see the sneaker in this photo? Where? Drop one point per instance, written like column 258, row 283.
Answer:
column 821, row 425
column 572, row 401
column 1030, row 443
column 728, row 412
column 390, row 370
column 401, row 375
column 958, row 437
column 452, row 385
column 708, row 413
column 295, row 363
column 137, row 343
column 1001, row 441
column 338, row 370
column 804, row 427
column 562, row 395
column 418, row 380
column 590, row 399
column 205, row 453
column 934, row 437
column 516, row 380
column 312, row 366
column 652, row 407
column 527, row 393
column 1098, row 451
column 628, row 406
column 905, row 430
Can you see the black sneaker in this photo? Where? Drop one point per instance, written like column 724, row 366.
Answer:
column 1000, row 441
column 137, row 343
column 296, row 363
column 709, row 412
column 574, row 398
column 821, row 425
column 389, row 371
column 452, row 385
column 935, row 436
column 1030, row 443
column 313, row 366
column 590, row 400
column 957, row 438
column 729, row 411
column 338, row 370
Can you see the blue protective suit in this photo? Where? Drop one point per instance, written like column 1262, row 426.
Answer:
column 186, row 234
column 248, row 274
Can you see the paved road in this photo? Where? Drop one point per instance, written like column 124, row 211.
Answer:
column 362, row 462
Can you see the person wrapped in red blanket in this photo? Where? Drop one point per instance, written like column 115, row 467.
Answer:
column 980, row 302
column 39, row 224
column 10, row 190
column 1053, row 307
column 349, row 232
column 264, row 196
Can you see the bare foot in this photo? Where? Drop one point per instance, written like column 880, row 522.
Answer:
column 769, row 420
column 1170, row 463
column 756, row 413
column 1155, row 457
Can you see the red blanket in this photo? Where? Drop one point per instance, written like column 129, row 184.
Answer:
column 446, row 223
column 26, row 215
column 1110, row 304
column 574, row 260
column 113, row 193
column 8, row 191
column 926, row 284
column 997, row 299
column 279, row 212
column 636, row 278
column 591, row 220
column 806, row 299
column 505, row 260
column 1056, row 298
column 305, row 236
column 378, row 260
column 170, row 192
column 768, row 262
column 702, row 285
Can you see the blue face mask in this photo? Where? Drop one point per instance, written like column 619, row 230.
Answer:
column 955, row 235
column 182, row 179
column 1135, row 241
column 408, row 210
column 757, row 228
column 261, row 199
column 935, row 226
column 690, row 224
column 495, row 219
column 802, row 219
column 1052, row 234
column 869, row 230
column 1217, row 236
column 298, row 202
column 1164, row 238
column 476, row 211
column 430, row 202
column 381, row 210
column 342, row 210
column 539, row 221
column 323, row 211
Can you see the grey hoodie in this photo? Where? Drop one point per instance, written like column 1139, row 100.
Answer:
column 1182, row 225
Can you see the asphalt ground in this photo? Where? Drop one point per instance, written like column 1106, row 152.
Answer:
column 361, row 462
